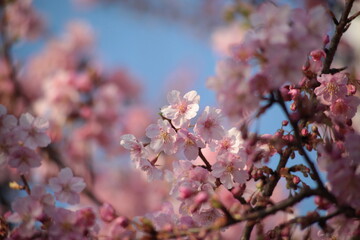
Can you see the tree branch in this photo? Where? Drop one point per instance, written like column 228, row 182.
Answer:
column 301, row 150
column 252, row 216
column 340, row 29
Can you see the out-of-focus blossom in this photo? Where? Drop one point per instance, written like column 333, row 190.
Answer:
column 7, row 121
column 23, row 159
column 107, row 212
column 223, row 38
column 34, row 131
column 67, row 187
column 22, row 21
column 136, row 148
column 26, row 212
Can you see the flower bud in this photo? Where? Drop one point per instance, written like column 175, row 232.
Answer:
column 201, row 197
column 107, row 212
column 185, row 192
column 296, row 180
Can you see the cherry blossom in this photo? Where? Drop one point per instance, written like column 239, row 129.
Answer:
column 190, row 143
column 23, row 159
column 208, row 125
column 230, row 169
column 26, row 212
column 34, row 130
column 180, row 111
column 273, row 21
column 67, row 187
column 220, row 171
column 230, row 143
column 163, row 137
column 352, row 141
column 107, row 212
column 23, row 20
column 136, row 148
column 332, row 87
column 7, row 122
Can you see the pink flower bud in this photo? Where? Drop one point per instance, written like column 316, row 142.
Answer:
column 86, row 217
column 185, row 192
column 122, row 221
column 304, row 132
column 322, row 203
column 295, row 116
column 351, row 89
column 293, row 107
column 285, row 93
column 279, row 134
column 201, row 197
column 326, row 39
column 296, row 180
column 317, row 55
column 107, row 212
column 285, row 122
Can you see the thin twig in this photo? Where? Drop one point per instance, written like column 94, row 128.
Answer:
column 203, row 158
column 252, row 216
column 353, row 17
column 26, row 184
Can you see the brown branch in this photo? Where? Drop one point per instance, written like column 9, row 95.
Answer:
column 203, row 158
column 26, row 184
column 269, row 187
column 302, row 151
column 252, row 216
column 353, row 17
column 247, row 230
column 307, row 221
column 340, row 28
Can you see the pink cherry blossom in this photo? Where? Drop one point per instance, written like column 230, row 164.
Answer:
column 107, row 212
column 26, row 211
column 345, row 184
column 64, row 225
column 34, row 130
column 230, row 169
column 190, row 143
column 136, row 148
column 332, row 87
column 163, row 137
column 181, row 110
column 344, row 108
column 7, row 122
column 23, row 159
column 22, row 20
column 352, row 143
column 163, row 218
column 230, row 143
column 208, row 125
column 206, row 216
column 153, row 173
column 272, row 21
column 67, row 187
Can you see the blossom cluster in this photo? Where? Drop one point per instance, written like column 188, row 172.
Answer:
column 216, row 170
